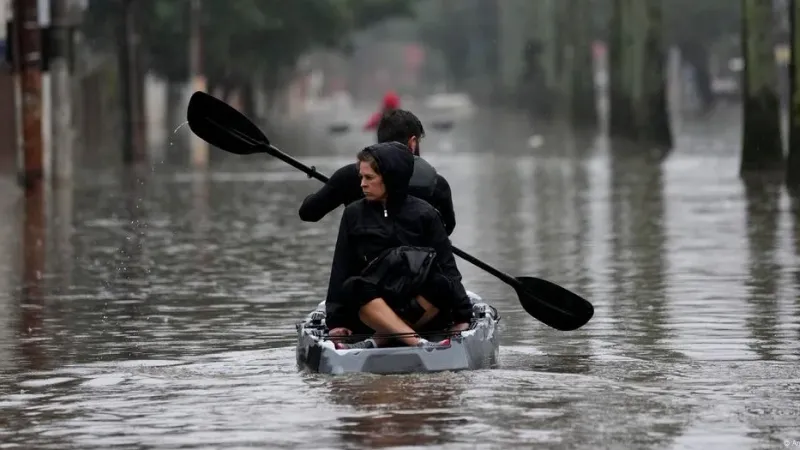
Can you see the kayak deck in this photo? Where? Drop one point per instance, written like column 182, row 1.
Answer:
column 472, row 349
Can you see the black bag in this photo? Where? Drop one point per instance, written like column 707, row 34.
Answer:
column 400, row 271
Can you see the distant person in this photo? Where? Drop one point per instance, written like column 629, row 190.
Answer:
column 391, row 102
column 404, row 131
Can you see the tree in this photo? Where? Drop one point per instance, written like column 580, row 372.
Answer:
column 793, row 159
column 637, row 92
column 241, row 38
column 694, row 26
column 762, row 148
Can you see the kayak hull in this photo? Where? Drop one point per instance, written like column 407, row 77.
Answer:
column 473, row 349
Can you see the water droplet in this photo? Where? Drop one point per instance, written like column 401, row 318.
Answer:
column 179, row 127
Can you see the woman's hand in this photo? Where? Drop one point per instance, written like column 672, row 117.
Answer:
column 460, row 326
column 341, row 331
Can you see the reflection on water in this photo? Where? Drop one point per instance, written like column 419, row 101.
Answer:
column 638, row 244
column 157, row 309
column 31, row 297
column 795, row 272
column 762, row 199
column 10, row 210
column 394, row 411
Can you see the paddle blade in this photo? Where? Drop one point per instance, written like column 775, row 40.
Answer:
column 222, row 126
column 553, row 305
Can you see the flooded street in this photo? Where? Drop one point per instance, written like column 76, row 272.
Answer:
column 159, row 310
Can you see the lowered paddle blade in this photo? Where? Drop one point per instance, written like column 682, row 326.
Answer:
column 562, row 309
column 222, row 126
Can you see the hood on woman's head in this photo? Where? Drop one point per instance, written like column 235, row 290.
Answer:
column 395, row 164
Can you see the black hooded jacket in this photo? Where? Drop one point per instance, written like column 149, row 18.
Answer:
column 369, row 227
column 344, row 188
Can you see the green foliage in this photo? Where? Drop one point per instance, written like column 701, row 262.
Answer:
column 686, row 23
column 240, row 38
column 700, row 22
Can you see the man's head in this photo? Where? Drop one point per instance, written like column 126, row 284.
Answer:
column 401, row 126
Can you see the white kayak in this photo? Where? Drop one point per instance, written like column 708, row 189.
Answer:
column 475, row 348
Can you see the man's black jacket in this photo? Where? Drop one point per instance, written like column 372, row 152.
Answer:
column 344, row 187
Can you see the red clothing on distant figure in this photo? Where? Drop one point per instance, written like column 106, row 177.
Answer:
column 390, row 101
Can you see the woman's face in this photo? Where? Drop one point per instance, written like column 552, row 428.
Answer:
column 371, row 183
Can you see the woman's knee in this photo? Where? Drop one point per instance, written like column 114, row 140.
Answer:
column 426, row 312
column 426, row 305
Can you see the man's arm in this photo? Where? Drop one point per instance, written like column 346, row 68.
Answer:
column 341, row 189
column 444, row 204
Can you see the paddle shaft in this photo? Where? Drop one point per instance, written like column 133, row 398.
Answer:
column 222, row 126
column 312, row 173
column 507, row 279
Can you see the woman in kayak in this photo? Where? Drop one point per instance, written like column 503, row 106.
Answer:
column 390, row 102
column 393, row 267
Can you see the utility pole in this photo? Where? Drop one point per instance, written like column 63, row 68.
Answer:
column 199, row 147
column 27, row 58
column 61, row 90
column 133, row 137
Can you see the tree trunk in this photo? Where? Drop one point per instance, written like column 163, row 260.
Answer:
column 63, row 136
column 762, row 149
column 581, row 97
column 27, row 45
column 619, row 86
column 199, row 150
column 541, row 57
column 637, row 64
column 131, row 84
column 653, row 127
column 793, row 163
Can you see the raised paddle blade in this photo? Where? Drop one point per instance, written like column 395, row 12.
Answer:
column 553, row 305
column 222, row 126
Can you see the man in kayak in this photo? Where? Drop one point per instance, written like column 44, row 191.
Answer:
column 393, row 269
column 391, row 102
column 342, row 188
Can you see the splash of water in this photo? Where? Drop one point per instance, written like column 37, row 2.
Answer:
column 174, row 132
column 179, row 126
column 171, row 141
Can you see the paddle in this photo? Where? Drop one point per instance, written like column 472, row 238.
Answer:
column 224, row 127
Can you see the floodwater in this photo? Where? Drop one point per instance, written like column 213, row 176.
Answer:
column 157, row 310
